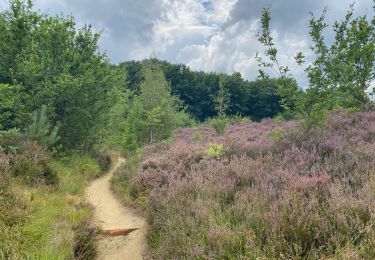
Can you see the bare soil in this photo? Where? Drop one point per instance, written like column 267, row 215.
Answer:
column 109, row 213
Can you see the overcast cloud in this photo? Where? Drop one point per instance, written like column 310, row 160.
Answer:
column 210, row 35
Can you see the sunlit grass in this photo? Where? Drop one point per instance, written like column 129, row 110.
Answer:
column 49, row 214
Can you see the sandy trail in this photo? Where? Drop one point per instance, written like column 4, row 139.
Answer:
column 111, row 214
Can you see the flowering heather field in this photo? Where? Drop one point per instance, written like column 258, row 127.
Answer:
column 263, row 190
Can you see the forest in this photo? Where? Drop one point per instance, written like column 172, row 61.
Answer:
column 221, row 167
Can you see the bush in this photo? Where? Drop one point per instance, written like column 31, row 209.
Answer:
column 218, row 123
column 215, row 151
column 184, row 119
column 31, row 164
column 276, row 135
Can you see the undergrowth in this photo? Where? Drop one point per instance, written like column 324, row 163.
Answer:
column 43, row 219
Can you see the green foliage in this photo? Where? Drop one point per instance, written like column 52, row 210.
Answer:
column 44, row 222
column 199, row 90
column 339, row 76
column 276, row 135
column 11, row 107
column 41, row 130
column 160, row 106
column 287, row 86
column 11, row 139
column 218, row 123
column 103, row 158
column 122, row 182
column 197, row 135
column 215, row 151
column 154, row 113
column 343, row 70
column 116, row 130
column 48, row 61
column 184, row 119
column 134, row 124
column 222, row 100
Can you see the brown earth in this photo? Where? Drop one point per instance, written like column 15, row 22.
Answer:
column 109, row 213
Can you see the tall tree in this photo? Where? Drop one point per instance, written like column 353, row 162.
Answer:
column 222, row 98
column 287, row 90
column 158, row 102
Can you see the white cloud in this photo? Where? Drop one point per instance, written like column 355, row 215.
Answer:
column 210, row 35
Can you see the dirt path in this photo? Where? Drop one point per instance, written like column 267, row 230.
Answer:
column 110, row 214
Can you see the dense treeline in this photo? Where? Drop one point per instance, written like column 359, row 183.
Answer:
column 197, row 89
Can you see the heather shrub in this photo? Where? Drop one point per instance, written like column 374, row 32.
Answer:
column 274, row 192
column 7, row 199
column 31, row 165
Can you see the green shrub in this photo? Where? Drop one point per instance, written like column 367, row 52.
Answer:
column 197, row 135
column 276, row 135
column 215, row 151
column 184, row 119
column 218, row 123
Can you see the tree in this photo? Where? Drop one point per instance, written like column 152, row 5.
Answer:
column 288, row 91
column 16, row 26
column 12, row 112
column 41, row 129
column 193, row 88
column 222, row 100
column 344, row 69
column 158, row 102
column 55, row 64
column 135, row 125
column 153, row 113
column 341, row 72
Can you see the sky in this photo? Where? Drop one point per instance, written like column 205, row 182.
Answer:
column 209, row 35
